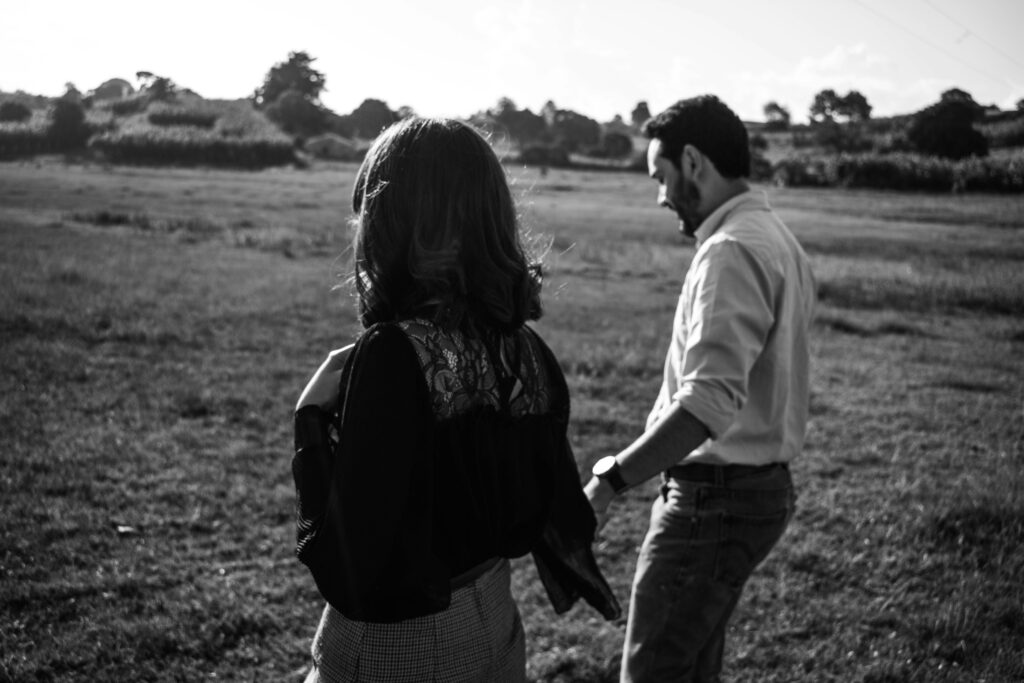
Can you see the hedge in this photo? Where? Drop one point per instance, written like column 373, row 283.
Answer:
column 179, row 146
column 181, row 116
column 903, row 172
column 22, row 140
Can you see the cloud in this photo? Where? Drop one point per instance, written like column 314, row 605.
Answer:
column 843, row 68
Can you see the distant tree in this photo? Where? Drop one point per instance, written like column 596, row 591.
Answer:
column 159, row 88
column 854, row 107
column 946, row 129
column 371, row 117
column 296, row 114
column 837, row 120
column 956, row 95
column 15, row 112
column 776, row 116
column 616, row 145
column 617, row 125
column 72, row 93
column 825, row 106
column 1020, row 104
column 963, row 98
column 841, row 137
column 405, row 112
column 338, row 124
column 67, row 124
column 640, row 113
column 296, row 74
column 504, row 105
column 547, row 112
column 520, row 124
column 573, row 131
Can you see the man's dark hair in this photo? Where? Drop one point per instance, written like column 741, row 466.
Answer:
column 709, row 125
column 437, row 233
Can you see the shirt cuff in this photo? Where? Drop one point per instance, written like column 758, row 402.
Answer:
column 717, row 413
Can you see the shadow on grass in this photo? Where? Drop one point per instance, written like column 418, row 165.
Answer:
column 844, row 325
column 986, row 535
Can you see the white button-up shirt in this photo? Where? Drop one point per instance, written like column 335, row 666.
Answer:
column 739, row 356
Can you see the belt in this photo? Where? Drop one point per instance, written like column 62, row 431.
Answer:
column 704, row 472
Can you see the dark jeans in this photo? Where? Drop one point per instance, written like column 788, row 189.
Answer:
column 704, row 541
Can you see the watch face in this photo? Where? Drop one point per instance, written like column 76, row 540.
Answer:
column 604, row 465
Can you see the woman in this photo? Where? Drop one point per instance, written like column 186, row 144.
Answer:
column 434, row 449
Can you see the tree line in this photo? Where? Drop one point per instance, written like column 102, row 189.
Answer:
column 289, row 97
column 947, row 129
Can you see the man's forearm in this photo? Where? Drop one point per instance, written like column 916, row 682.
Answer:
column 665, row 444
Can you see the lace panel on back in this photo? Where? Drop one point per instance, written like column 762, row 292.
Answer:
column 461, row 374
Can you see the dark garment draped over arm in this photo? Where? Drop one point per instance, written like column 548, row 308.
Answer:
column 409, row 502
column 564, row 554
column 378, row 563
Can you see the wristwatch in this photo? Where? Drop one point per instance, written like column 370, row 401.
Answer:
column 607, row 469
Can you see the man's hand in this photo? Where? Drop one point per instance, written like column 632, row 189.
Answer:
column 600, row 495
column 323, row 389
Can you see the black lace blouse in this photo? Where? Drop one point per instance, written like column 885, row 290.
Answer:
column 447, row 450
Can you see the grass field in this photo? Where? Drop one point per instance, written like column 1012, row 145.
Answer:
column 157, row 325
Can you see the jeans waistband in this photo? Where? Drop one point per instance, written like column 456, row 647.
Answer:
column 718, row 474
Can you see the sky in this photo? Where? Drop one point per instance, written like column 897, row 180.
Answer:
column 596, row 57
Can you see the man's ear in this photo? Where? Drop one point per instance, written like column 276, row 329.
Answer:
column 691, row 159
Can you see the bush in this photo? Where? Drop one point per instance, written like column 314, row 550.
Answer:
column 67, row 125
column 616, row 145
column 802, row 171
column 841, row 137
column 947, row 130
column 544, row 155
column 15, row 112
column 297, row 115
column 760, row 168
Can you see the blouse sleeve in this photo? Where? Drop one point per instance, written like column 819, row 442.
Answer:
column 383, row 487
column 564, row 554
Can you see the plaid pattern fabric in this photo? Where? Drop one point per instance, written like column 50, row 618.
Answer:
column 479, row 638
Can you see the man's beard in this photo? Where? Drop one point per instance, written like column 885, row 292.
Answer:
column 687, row 199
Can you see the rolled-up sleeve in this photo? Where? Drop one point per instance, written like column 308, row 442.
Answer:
column 730, row 315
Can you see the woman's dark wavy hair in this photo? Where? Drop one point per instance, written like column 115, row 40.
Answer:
column 709, row 125
column 436, row 231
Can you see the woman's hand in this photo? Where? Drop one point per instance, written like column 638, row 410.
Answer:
column 600, row 495
column 323, row 389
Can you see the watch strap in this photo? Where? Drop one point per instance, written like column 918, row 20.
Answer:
column 613, row 475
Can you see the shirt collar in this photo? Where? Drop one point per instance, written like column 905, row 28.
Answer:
column 750, row 199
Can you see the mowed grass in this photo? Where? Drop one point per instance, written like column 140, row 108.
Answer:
column 156, row 326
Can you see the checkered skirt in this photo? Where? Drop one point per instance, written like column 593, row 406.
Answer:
column 478, row 638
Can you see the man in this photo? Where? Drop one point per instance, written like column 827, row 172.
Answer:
column 732, row 409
